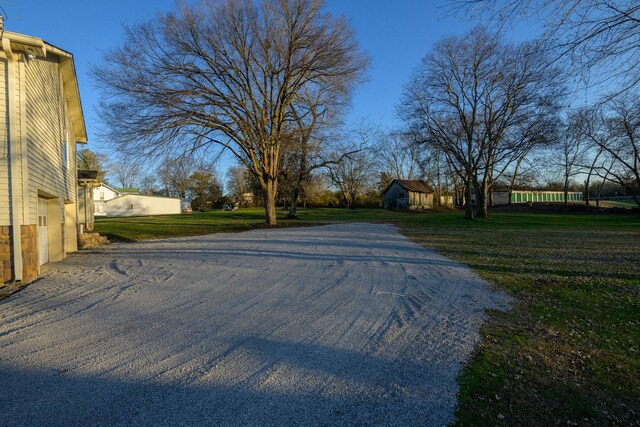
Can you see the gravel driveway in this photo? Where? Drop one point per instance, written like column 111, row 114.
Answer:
column 342, row 324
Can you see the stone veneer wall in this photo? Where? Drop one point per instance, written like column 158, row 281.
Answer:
column 29, row 235
column 30, row 265
column 5, row 254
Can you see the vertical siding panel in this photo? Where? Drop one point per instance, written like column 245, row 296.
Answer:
column 4, row 147
column 45, row 128
column 24, row 160
column 18, row 142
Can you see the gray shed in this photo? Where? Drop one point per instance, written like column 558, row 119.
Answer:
column 408, row 194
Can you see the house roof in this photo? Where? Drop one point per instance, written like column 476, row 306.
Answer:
column 415, row 185
column 127, row 191
column 19, row 43
column 105, row 185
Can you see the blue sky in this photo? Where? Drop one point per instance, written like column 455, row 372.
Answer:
column 395, row 34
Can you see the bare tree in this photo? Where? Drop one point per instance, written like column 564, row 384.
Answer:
column 613, row 127
column 315, row 115
column 351, row 176
column 126, row 172
column 591, row 33
column 570, row 154
column 397, row 155
column 175, row 175
column 225, row 73
column 238, row 183
column 480, row 102
column 148, row 185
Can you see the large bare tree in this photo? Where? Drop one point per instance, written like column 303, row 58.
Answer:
column 600, row 38
column 225, row 73
column 481, row 102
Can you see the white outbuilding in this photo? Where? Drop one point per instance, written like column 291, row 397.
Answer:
column 109, row 201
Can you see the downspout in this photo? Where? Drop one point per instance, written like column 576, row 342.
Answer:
column 16, row 199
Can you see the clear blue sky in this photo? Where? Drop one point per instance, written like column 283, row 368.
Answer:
column 395, row 34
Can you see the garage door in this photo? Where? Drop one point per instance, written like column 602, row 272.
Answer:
column 43, row 236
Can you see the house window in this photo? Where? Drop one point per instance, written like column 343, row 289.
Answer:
column 101, row 195
column 130, row 206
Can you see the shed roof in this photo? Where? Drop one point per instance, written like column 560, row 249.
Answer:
column 415, row 185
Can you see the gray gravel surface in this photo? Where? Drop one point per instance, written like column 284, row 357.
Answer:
column 336, row 325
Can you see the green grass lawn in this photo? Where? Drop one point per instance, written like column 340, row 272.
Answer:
column 628, row 203
column 568, row 351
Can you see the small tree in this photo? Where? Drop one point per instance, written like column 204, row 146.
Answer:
column 351, row 176
column 89, row 160
column 175, row 175
column 238, row 183
column 205, row 188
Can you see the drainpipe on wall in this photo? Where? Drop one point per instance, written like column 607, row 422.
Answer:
column 16, row 202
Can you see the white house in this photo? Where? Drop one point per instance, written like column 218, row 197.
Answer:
column 100, row 196
column 109, row 201
column 41, row 123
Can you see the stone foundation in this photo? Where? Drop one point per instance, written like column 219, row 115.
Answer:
column 30, row 266
column 91, row 240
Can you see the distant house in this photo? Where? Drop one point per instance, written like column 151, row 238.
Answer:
column 42, row 121
column 109, row 201
column 408, row 194
column 100, row 196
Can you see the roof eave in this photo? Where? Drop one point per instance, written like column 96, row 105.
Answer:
column 36, row 46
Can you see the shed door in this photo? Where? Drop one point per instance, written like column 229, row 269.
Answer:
column 43, row 236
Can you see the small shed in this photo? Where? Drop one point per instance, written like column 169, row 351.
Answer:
column 408, row 194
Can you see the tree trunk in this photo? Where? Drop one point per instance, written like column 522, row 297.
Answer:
column 586, row 191
column 293, row 206
column 270, row 201
column 468, row 208
column 513, row 180
column 482, row 196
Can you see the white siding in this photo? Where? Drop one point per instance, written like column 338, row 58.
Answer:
column 139, row 205
column 47, row 124
column 4, row 147
column 108, row 193
column 5, row 150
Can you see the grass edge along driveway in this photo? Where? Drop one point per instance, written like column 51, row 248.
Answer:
column 567, row 351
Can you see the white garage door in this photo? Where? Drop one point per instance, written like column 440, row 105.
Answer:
column 43, row 236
